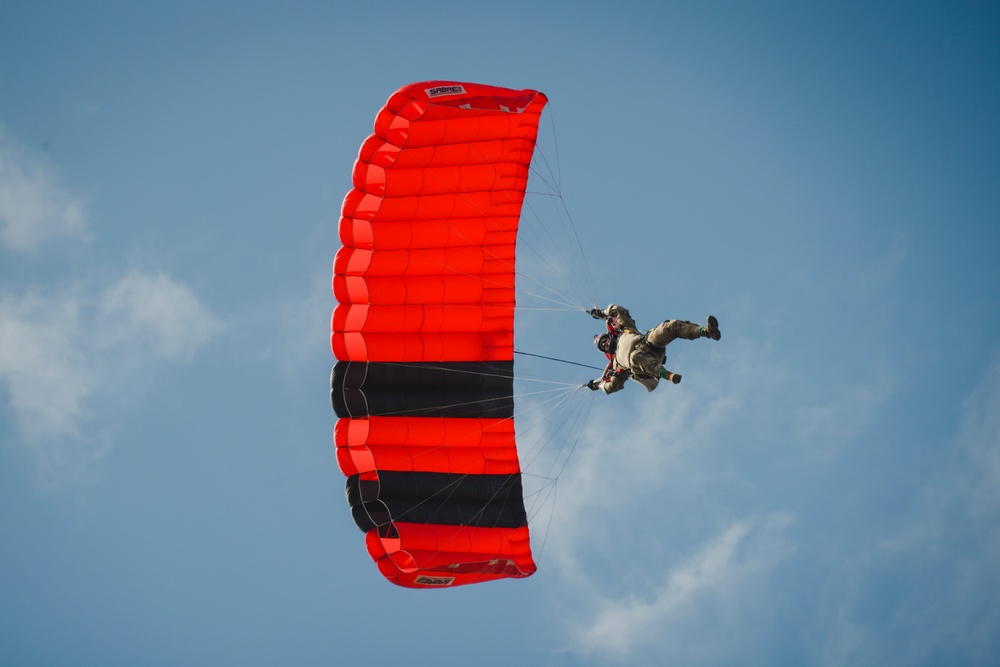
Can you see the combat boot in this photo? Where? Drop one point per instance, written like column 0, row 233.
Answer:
column 711, row 328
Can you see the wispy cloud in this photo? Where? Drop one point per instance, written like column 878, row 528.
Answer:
column 626, row 585
column 47, row 375
column 33, row 207
column 75, row 349
column 691, row 601
column 638, row 444
column 937, row 568
column 65, row 354
column 681, row 503
column 155, row 314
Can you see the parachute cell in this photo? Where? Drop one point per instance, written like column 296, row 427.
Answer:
column 424, row 332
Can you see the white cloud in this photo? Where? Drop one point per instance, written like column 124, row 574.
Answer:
column 47, row 375
column 674, row 512
column 692, row 601
column 156, row 315
column 67, row 358
column 956, row 537
column 33, row 208
column 941, row 556
column 627, row 493
column 640, row 445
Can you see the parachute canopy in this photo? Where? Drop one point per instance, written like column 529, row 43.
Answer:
column 424, row 333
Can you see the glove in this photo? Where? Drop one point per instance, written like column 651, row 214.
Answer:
column 594, row 385
column 597, row 313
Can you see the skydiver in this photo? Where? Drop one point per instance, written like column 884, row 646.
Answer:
column 640, row 356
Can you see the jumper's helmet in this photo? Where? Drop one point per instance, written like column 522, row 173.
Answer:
column 605, row 343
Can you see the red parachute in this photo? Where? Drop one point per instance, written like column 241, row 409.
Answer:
column 424, row 334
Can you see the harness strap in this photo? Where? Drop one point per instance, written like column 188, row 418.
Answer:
column 652, row 349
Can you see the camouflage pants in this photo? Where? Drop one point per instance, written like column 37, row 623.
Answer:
column 670, row 330
column 648, row 357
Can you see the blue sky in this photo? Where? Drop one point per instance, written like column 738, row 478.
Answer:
column 823, row 487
